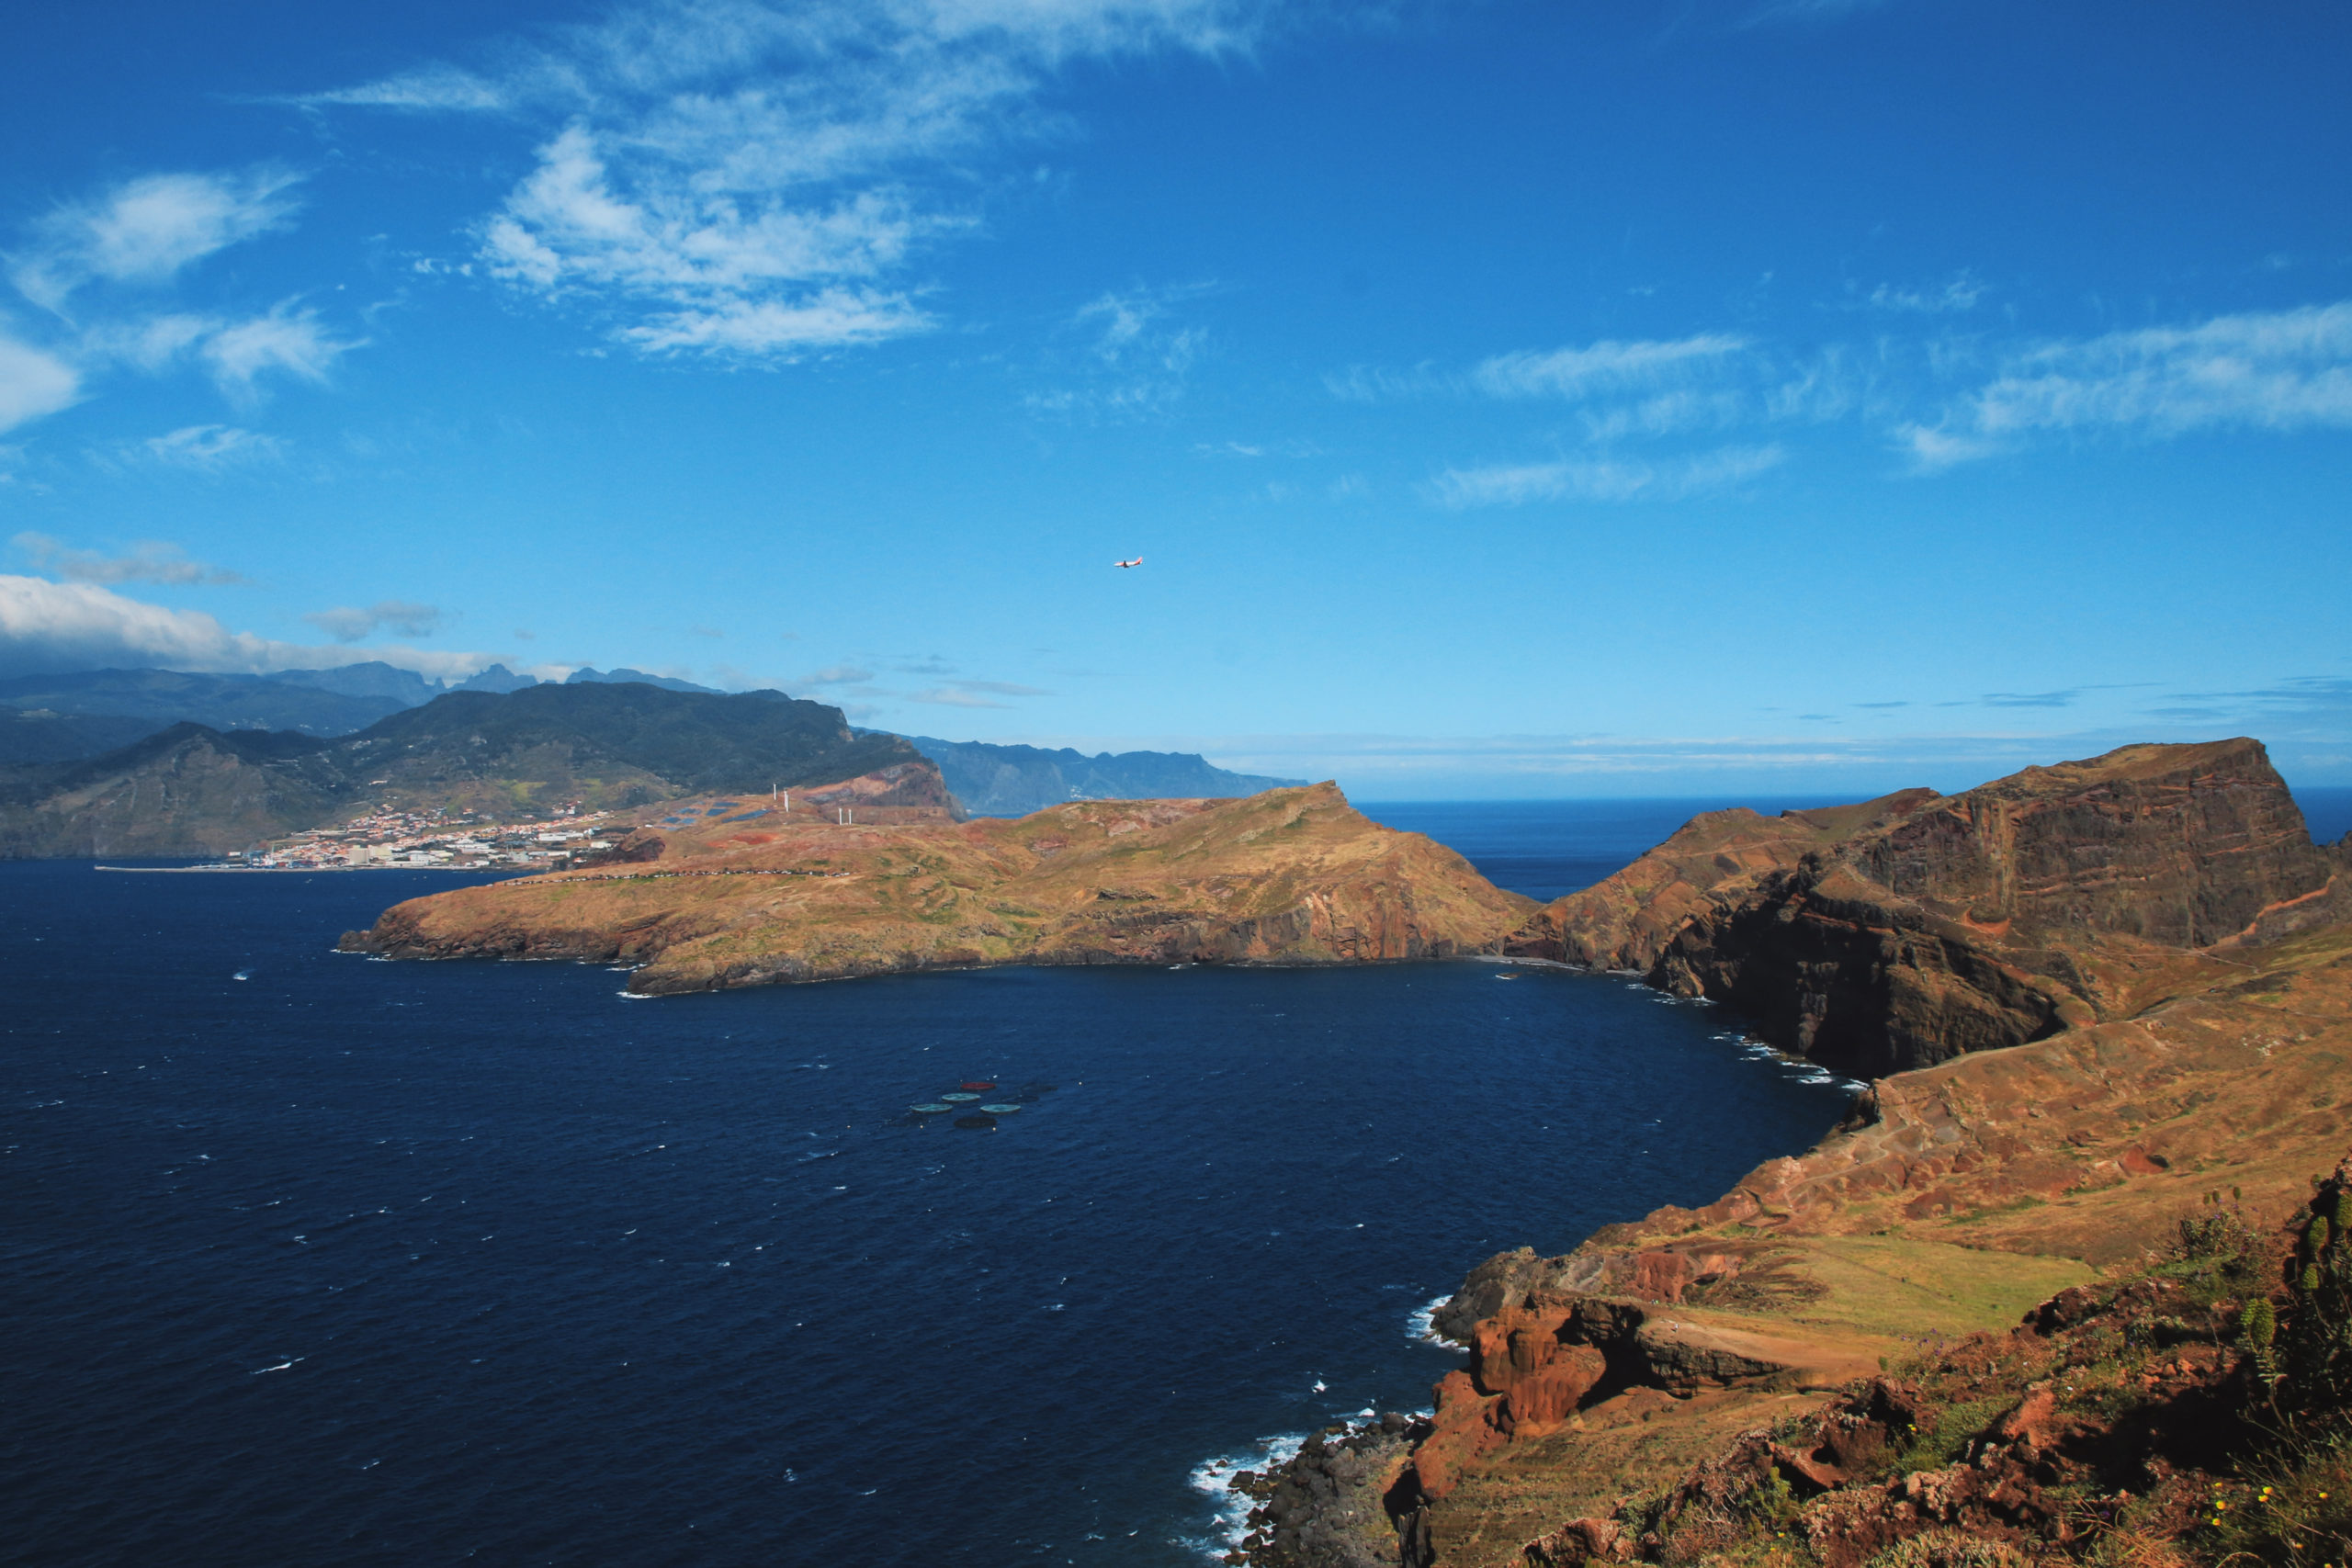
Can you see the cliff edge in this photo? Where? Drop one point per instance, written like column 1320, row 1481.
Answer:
column 1897, row 933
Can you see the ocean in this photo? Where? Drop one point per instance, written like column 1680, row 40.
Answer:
column 315, row 1258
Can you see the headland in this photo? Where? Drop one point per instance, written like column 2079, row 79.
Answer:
column 2106, row 1006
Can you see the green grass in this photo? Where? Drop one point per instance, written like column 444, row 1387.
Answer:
column 1895, row 1286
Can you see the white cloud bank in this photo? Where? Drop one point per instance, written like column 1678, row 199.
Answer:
column 754, row 180
column 46, row 627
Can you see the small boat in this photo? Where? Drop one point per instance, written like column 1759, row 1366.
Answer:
column 999, row 1109
column 960, row 1098
column 934, row 1109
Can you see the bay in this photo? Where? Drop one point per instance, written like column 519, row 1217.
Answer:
column 311, row 1257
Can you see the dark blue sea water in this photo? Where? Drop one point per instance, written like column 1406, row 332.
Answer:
column 310, row 1258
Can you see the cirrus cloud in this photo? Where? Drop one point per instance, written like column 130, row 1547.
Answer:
column 1604, row 479
column 2278, row 370
column 755, row 178
column 146, row 230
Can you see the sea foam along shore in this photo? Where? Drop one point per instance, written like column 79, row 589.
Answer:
column 1214, row 1479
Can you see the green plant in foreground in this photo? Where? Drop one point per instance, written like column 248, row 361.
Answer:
column 2305, row 1358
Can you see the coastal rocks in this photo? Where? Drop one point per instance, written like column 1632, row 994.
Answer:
column 1895, row 933
column 1664, row 1272
column 1328, row 1506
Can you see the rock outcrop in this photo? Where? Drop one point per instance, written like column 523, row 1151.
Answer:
column 1895, row 933
column 1289, row 876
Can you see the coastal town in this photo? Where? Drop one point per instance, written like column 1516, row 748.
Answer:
column 391, row 839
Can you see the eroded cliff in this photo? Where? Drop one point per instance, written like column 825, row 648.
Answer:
column 1894, row 933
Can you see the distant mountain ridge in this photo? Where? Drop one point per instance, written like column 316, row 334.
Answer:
column 54, row 719
column 192, row 789
column 1013, row 781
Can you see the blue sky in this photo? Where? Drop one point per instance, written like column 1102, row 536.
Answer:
column 1506, row 398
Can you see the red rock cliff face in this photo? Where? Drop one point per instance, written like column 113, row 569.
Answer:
column 1896, row 933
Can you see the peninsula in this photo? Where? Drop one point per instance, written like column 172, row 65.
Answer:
column 1288, row 876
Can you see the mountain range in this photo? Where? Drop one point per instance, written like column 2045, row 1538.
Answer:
column 47, row 720
column 192, row 789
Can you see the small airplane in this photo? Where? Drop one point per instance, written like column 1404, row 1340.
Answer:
column 1123, row 565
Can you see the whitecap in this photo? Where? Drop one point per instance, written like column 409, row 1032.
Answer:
column 1420, row 1323
column 1229, row 1510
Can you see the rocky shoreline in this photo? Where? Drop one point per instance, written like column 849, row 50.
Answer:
column 2086, row 994
column 1331, row 1505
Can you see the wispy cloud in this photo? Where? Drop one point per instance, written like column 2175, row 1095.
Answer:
column 33, row 384
column 1578, row 373
column 1000, row 688
column 2298, row 703
column 350, row 624
column 147, row 229
column 2280, row 370
column 144, row 234
column 973, row 693
column 948, row 697
column 2030, row 699
column 1603, row 479
column 149, row 561
column 212, row 447
column 837, row 675
column 1605, row 366
column 1959, row 292
column 755, row 180
column 290, row 340
column 1137, row 356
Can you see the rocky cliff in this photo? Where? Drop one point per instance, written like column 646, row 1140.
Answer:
column 1894, row 933
column 2113, row 1000
column 1289, row 876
